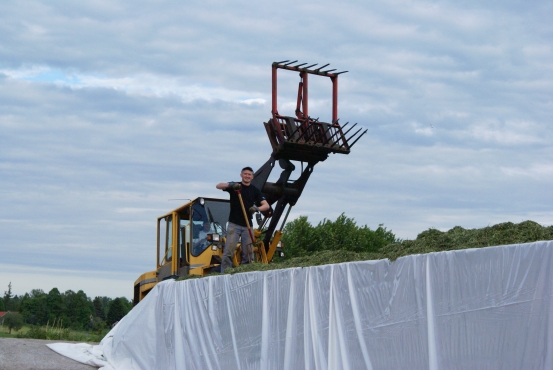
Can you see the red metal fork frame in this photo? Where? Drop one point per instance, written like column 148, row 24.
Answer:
column 304, row 86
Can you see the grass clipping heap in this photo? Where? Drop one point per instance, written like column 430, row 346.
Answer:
column 431, row 240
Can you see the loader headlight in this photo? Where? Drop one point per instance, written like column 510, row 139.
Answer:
column 279, row 249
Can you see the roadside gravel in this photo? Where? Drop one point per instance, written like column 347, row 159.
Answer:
column 32, row 354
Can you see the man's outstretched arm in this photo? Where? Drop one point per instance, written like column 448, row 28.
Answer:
column 222, row 185
column 226, row 185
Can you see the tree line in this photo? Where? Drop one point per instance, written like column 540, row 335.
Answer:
column 71, row 309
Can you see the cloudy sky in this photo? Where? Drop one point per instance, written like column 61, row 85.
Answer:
column 110, row 110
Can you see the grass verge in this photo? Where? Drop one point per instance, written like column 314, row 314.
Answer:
column 54, row 332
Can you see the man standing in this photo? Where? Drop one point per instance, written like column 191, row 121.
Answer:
column 237, row 228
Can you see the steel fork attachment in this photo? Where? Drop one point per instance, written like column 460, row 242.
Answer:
column 303, row 138
column 298, row 138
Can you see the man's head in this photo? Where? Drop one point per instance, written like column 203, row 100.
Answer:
column 246, row 175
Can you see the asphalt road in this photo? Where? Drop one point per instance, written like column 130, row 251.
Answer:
column 32, row 354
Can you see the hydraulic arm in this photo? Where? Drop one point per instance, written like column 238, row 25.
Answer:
column 298, row 138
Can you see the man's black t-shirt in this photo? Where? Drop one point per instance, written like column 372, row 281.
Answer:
column 250, row 195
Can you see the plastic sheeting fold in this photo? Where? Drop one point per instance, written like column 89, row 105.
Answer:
column 488, row 308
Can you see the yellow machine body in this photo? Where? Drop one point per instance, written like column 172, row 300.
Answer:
column 190, row 240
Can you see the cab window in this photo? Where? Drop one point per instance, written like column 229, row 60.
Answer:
column 165, row 239
column 184, row 231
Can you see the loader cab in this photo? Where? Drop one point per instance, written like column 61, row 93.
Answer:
column 189, row 241
column 190, row 238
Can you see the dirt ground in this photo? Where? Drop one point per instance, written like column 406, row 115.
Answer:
column 32, row 354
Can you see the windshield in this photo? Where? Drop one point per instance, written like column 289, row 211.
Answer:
column 214, row 212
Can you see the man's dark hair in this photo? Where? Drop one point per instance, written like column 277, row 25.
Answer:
column 247, row 168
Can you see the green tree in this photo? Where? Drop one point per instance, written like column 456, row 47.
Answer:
column 105, row 304
column 26, row 309
column 41, row 309
column 7, row 297
column 98, row 325
column 54, row 305
column 99, row 310
column 78, row 309
column 127, row 303
column 13, row 321
column 300, row 238
column 34, row 308
column 116, row 310
column 15, row 303
column 2, row 307
column 35, row 293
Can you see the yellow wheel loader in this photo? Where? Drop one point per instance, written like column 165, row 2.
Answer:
column 190, row 239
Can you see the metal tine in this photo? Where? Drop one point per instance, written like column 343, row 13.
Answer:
column 312, row 133
column 284, row 61
column 350, row 137
column 330, row 138
column 312, row 65
column 304, row 133
column 337, row 131
column 344, row 126
column 296, row 130
column 326, row 133
column 330, row 70
column 346, row 140
column 358, row 138
column 318, row 69
column 339, row 73
column 355, row 124
column 287, row 64
column 301, row 135
column 299, row 65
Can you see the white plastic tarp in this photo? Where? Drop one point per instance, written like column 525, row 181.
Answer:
column 488, row 308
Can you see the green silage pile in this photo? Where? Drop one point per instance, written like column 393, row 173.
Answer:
column 428, row 241
column 431, row 240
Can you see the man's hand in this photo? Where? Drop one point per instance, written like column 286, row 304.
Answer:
column 234, row 185
column 253, row 209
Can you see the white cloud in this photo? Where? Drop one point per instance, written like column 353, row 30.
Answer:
column 134, row 210
column 541, row 171
column 423, row 130
column 509, row 132
column 142, row 84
